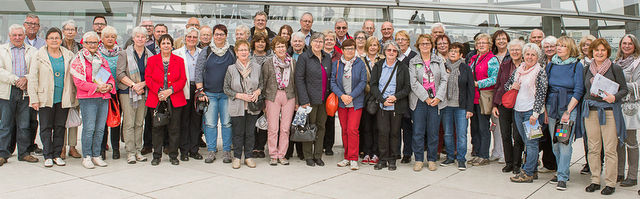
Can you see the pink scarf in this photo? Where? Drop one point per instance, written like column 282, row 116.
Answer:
column 282, row 77
column 527, row 78
column 603, row 69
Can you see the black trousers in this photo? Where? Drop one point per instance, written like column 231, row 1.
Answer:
column 369, row 134
column 52, row 129
column 243, row 134
column 330, row 133
column 512, row 143
column 389, row 128
column 174, row 133
column 475, row 131
column 115, row 132
column 546, row 146
column 190, row 126
column 260, row 137
column 407, row 137
column 147, row 135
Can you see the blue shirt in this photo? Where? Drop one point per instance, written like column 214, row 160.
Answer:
column 191, row 63
column 295, row 56
column 391, row 89
column 57, row 64
column 18, row 60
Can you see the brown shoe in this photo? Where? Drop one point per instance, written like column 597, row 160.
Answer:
column 29, row 158
column 2, row 161
column 63, row 155
column 74, row 153
column 145, row 151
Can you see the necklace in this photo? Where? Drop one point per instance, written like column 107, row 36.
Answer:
column 57, row 74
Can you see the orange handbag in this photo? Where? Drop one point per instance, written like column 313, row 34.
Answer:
column 509, row 98
column 113, row 119
column 332, row 100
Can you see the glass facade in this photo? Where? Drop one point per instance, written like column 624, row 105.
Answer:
column 463, row 18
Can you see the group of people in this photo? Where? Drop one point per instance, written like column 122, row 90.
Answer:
column 392, row 100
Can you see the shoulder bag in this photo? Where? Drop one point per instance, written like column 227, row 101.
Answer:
column 114, row 119
column 372, row 103
column 563, row 132
column 306, row 133
column 161, row 114
column 332, row 101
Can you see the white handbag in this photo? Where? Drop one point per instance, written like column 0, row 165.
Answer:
column 630, row 106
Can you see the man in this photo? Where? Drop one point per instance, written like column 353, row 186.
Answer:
column 15, row 59
column 158, row 30
column 206, row 34
column 536, row 37
column 32, row 25
column 99, row 22
column 437, row 29
column 192, row 22
column 369, row 27
column 387, row 32
column 148, row 24
column 342, row 33
column 260, row 25
column 306, row 21
column 405, row 55
column 69, row 30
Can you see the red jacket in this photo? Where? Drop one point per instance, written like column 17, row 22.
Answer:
column 176, row 77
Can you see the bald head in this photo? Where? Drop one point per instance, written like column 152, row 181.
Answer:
column 369, row 27
column 193, row 22
column 536, row 36
column 387, row 30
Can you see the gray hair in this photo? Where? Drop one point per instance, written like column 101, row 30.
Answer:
column 17, row 26
column 108, row 30
column 260, row 13
column 140, row 30
column 438, row 25
column 485, row 36
column 70, row 22
column 340, row 20
column 244, row 28
column 390, row 43
column 31, row 16
column 366, row 36
column 316, row 35
column 90, row 34
column 307, row 13
column 298, row 35
column 514, row 43
column 535, row 29
column 531, row 46
column 190, row 30
column 549, row 40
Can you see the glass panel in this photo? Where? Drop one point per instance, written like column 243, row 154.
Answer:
column 615, row 7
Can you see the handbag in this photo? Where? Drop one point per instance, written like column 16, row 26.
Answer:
column 563, row 132
column 256, row 106
column 486, row 97
column 630, row 106
column 372, row 103
column 306, row 133
column 161, row 114
column 114, row 118
column 332, row 101
column 73, row 118
column 509, row 98
column 262, row 123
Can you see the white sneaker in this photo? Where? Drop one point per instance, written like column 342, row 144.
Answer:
column 140, row 157
column 98, row 162
column 494, row 158
column 48, row 163
column 343, row 163
column 86, row 162
column 131, row 159
column 501, row 160
column 59, row 162
column 354, row 165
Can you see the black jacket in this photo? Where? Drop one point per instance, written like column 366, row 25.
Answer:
column 403, row 86
column 466, row 87
column 308, row 78
column 270, row 33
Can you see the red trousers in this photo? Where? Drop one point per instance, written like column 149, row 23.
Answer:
column 349, row 122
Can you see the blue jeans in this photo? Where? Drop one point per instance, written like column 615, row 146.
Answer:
column 425, row 120
column 562, row 151
column 94, row 113
column 457, row 116
column 15, row 111
column 531, row 164
column 218, row 107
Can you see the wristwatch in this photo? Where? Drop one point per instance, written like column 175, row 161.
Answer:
column 567, row 112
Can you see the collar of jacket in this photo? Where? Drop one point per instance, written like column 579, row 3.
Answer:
column 418, row 59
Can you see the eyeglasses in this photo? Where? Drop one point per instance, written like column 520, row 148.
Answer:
column 341, row 28
column 54, row 38
column 392, row 50
column 261, row 20
column 192, row 37
column 32, row 24
column 193, row 24
column 99, row 24
column 425, row 44
column 147, row 26
column 70, row 30
column 91, row 43
column 442, row 43
column 359, row 38
column 385, row 29
column 219, row 35
column 349, row 49
column 402, row 39
column 482, row 43
column 317, row 41
column 205, row 35
column 243, row 50
column 306, row 21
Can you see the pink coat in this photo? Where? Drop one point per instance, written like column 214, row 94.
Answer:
column 86, row 87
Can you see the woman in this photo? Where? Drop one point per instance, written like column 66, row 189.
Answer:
column 531, row 77
column 297, row 48
column 285, row 32
column 361, row 40
column 348, row 81
column 459, row 106
column 243, row 85
column 260, row 49
column 485, row 66
column 512, row 144
column 442, row 46
column 585, row 60
column 93, row 97
column 566, row 88
column 132, row 64
column 597, row 110
column 628, row 58
column 109, row 50
column 549, row 47
column 501, row 40
column 393, row 102
column 213, row 65
column 368, row 127
column 280, row 93
column 70, row 31
column 428, row 79
column 242, row 32
column 191, row 123
column 329, row 45
column 49, row 73
column 312, row 78
column 166, row 79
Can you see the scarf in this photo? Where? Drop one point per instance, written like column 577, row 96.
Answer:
column 625, row 63
column 527, row 79
column 558, row 61
column 348, row 65
column 245, row 71
column 283, row 70
column 452, row 83
column 78, row 64
column 603, row 69
column 134, row 73
column 110, row 53
column 219, row 51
